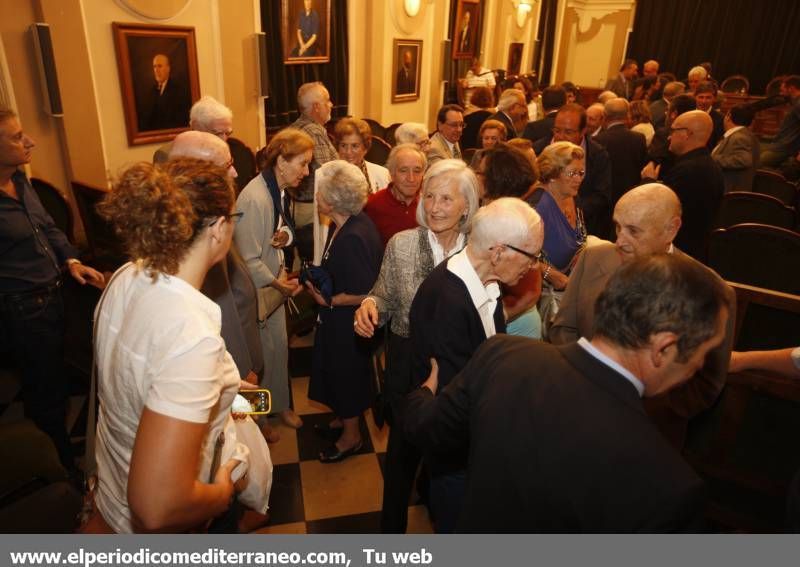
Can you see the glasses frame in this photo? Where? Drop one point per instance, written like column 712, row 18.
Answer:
column 238, row 216
column 535, row 258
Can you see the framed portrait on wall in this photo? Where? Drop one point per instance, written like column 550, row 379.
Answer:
column 514, row 59
column 306, row 31
column 159, row 80
column 406, row 69
column 465, row 35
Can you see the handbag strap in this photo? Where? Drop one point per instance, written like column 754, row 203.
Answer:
column 90, row 463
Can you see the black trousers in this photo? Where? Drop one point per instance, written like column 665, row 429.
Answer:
column 402, row 458
column 32, row 325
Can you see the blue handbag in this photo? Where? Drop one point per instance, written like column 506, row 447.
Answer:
column 319, row 278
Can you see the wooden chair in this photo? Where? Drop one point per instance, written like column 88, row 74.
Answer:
column 743, row 206
column 377, row 128
column 768, row 182
column 736, row 84
column 389, row 136
column 745, row 446
column 105, row 247
column 244, row 161
column 758, row 255
column 378, row 152
column 774, row 86
column 56, row 205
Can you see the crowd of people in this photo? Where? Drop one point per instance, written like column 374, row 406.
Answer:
column 548, row 319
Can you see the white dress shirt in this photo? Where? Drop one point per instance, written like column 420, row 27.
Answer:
column 484, row 297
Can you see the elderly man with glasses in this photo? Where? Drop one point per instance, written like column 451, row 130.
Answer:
column 449, row 126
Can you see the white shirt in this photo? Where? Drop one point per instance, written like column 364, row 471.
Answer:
column 438, row 251
column 158, row 346
column 627, row 374
column 484, row 297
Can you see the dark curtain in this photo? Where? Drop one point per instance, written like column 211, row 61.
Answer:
column 545, row 47
column 757, row 39
column 284, row 80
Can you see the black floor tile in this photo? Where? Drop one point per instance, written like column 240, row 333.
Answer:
column 300, row 361
column 286, row 498
column 310, row 443
column 369, row 523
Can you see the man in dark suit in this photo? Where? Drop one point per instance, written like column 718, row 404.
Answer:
column 510, row 108
column 553, row 98
column 169, row 101
column 696, row 179
column 558, row 438
column 627, row 150
column 647, row 219
column 705, row 94
column 406, row 78
column 659, row 147
column 622, row 84
column 457, row 308
column 594, row 194
column 738, row 152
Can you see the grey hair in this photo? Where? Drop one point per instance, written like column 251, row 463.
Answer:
column 509, row 98
column 698, row 71
column 308, row 94
column 605, row 96
column 555, row 157
column 506, row 220
column 205, row 111
column 444, row 172
column 672, row 89
column 391, row 161
column 410, row 132
column 616, row 109
column 343, row 186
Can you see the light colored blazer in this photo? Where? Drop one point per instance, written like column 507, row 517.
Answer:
column 738, row 155
column 379, row 178
column 254, row 232
column 439, row 149
column 576, row 316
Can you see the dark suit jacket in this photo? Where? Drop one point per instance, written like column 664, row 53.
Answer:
column 540, row 129
column 502, row 117
column 472, row 125
column 558, row 442
column 229, row 285
column 169, row 109
column 628, row 154
column 697, row 180
column 445, row 325
column 594, row 194
column 738, row 155
column 658, row 113
column 405, row 80
column 575, row 319
column 718, row 131
column 620, row 87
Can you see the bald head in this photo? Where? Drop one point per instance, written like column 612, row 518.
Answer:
column 595, row 115
column 690, row 130
column 204, row 146
column 616, row 110
column 646, row 219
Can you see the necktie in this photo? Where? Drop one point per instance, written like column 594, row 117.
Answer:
column 456, row 152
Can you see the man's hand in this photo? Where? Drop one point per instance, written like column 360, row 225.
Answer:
column 432, row 383
column 651, row 171
column 85, row 274
column 279, row 239
column 366, row 318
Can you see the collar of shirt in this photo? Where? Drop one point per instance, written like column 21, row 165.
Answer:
column 732, row 130
column 438, row 251
column 627, row 374
column 484, row 297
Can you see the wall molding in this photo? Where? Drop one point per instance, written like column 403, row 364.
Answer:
column 589, row 10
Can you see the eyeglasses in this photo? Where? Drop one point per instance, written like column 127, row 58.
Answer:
column 535, row 258
column 576, row 173
column 220, row 133
column 459, row 125
column 236, row 216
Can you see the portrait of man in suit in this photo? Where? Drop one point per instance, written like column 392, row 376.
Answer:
column 406, row 70
column 169, row 100
column 466, row 29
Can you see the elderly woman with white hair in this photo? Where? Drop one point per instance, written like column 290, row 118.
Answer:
column 448, row 200
column 340, row 372
column 413, row 133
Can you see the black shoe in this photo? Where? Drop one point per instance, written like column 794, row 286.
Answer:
column 333, row 455
column 327, row 432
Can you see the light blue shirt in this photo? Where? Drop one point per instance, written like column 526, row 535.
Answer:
column 627, row 374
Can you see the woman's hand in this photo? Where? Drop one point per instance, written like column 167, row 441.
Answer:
column 316, row 295
column 366, row 318
column 558, row 280
column 223, row 477
column 432, row 383
column 280, row 239
column 287, row 287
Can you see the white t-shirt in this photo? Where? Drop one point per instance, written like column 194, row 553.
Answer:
column 158, row 345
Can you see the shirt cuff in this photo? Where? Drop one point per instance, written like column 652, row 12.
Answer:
column 288, row 231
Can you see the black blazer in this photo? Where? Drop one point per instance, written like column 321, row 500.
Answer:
column 627, row 152
column 698, row 182
column 472, row 124
column 558, row 442
column 594, row 194
column 501, row 116
column 540, row 129
column 444, row 324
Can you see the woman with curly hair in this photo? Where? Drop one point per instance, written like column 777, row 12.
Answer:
column 165, row 380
